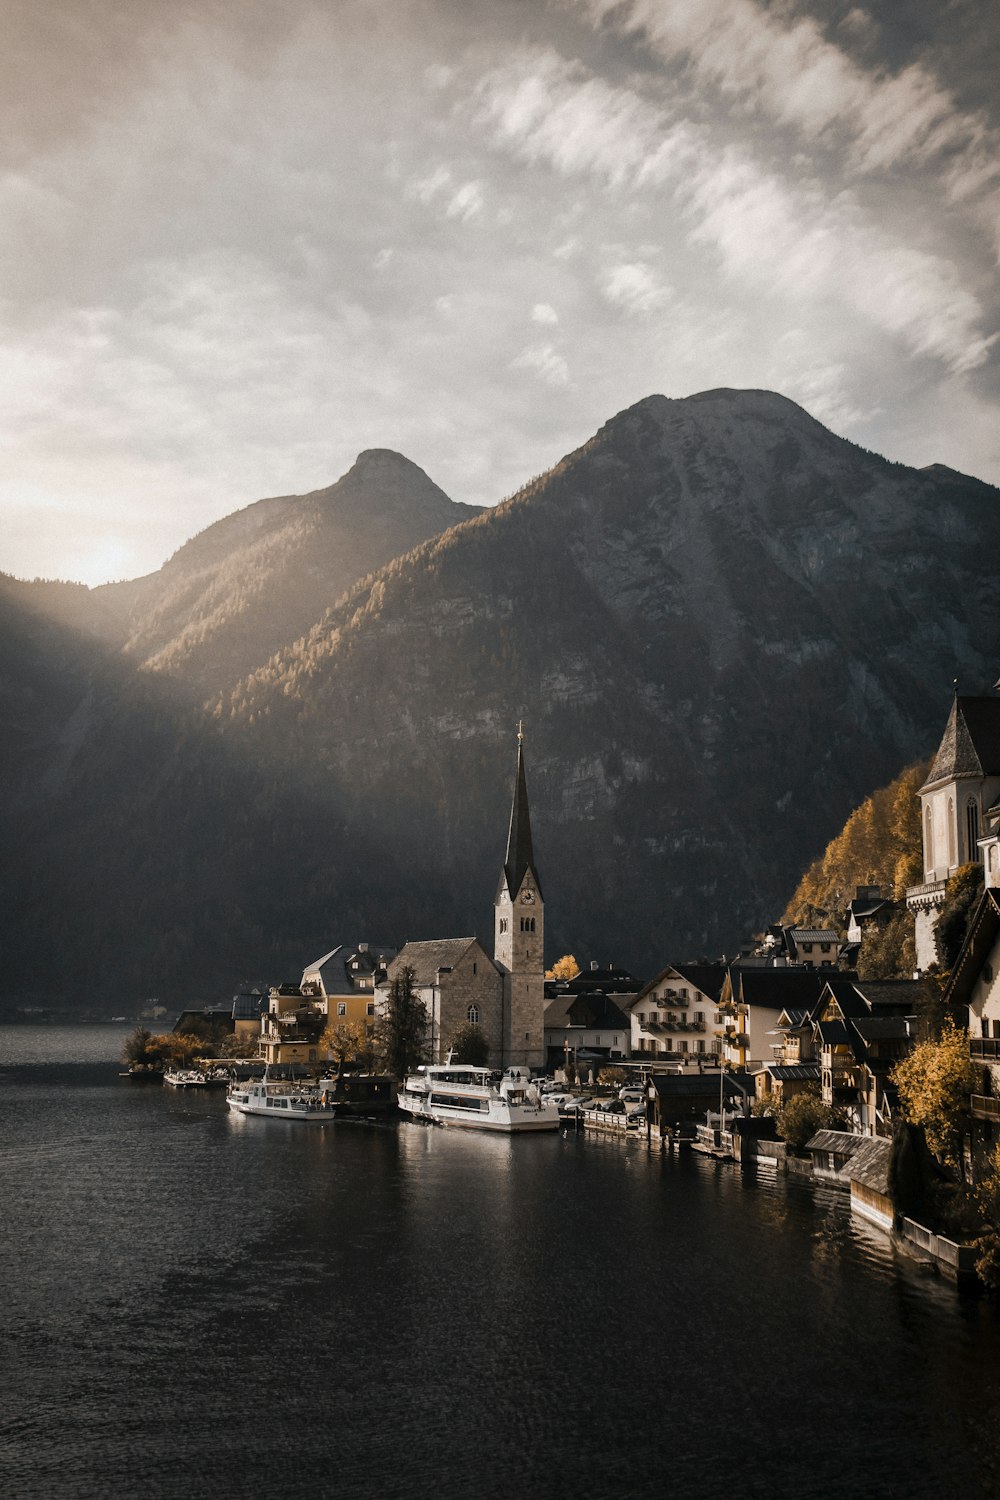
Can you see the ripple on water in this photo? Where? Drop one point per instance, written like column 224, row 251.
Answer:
column 198, row 1305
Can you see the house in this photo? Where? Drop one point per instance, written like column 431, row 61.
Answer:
column 861, row 1030
column 869, row 909
column 813, row 947
column 958, row 801
column 585, row 1023
column 291, row 1027
column 752, row 1001
column 342, row 982
column 831, row 1152
column 676, row 1017
column 461, row 984
column 685, row 1099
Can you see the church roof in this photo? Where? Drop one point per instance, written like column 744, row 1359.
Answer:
column 520, row 854
column 970, row 745
column 425, row 959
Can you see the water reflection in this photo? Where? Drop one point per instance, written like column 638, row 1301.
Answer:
column 257, row 1308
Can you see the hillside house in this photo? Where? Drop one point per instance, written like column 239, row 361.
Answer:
column 676, row 1018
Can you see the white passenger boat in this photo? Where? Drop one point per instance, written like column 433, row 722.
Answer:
column 457, row 1094
column 280, row 1101
column 185, row 1078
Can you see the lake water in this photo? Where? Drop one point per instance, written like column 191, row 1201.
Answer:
column 197, row 1304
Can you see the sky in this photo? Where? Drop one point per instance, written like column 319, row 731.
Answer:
column 240, row 242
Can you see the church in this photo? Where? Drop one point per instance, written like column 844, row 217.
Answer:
column 461, row 984
column 960, row 811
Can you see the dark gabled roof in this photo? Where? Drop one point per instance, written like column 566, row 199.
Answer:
column 343, row 965
column 777, row 989
column 520, row 856
column 696, row 1085
column 248, row 1006
column 594, row 1011
column 426, row 958
column 708, row 978
column 881, row 1028
column 840, row 1142
column 970, row 745
column 611, row 981
column 792, row 1072
column 793, row 1016
column 979, row 940
column 813, row 935
column 870, row 1164
column 896, row 996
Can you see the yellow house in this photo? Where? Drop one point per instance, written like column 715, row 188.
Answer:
column 342, row 982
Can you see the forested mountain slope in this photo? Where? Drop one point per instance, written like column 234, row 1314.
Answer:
column 723, row 626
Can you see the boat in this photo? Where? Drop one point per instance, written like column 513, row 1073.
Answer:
column 185, row 1078
column 280, row 1100
column 477, row 1099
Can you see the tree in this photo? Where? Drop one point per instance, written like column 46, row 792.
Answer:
column 346, row 1041
column 803, row 1115
column 888, row 952
column 879, row 844
column 613, row 1076
column 961, row 896
column 564, row 968
column 469, row 1045
column 402, row 1031
column 934, row 1085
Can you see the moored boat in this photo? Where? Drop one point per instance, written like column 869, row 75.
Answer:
column 280, row 1100
column 185, row 1078
column 477, row 1099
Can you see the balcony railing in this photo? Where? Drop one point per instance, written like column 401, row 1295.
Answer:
column 984, row 1049
column 985, row 1107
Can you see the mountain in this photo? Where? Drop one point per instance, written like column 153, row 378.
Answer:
column 256, row 580
column 723, row 626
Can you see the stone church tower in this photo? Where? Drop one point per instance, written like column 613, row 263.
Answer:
column 519, row 935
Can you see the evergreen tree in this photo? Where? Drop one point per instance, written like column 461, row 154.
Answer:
column 403, row 1028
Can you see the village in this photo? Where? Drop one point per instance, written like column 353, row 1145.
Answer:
column 780, row 1057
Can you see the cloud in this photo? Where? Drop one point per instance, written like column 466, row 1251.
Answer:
column 633, row 287
column 770, row 61
column 543, row 313
column 545, row 361
column 548, row 109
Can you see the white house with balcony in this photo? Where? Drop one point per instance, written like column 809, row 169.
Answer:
column 676, row 1017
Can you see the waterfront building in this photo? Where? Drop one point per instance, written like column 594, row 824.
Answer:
column 676, row 1017
column 342, row 982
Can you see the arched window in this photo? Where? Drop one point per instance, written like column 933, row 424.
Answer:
column 928, row 840
column 972, row 826
column 952, row 853
column 472, row 1015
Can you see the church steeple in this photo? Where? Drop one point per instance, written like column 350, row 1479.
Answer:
column 520, row 854
column 519, row 933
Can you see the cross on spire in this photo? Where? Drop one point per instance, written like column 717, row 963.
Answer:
column 520, row 731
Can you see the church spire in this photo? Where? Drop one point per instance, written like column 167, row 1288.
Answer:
column 520, row 854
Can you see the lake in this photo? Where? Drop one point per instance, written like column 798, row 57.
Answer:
column 200, row 1304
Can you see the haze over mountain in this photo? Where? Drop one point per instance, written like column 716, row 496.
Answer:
column 723, row 626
